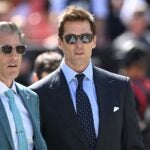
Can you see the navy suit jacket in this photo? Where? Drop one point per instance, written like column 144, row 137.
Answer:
column 31, row 102
column 118, row 129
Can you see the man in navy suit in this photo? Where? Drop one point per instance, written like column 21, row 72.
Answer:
column 25, row 101
column 110, row 96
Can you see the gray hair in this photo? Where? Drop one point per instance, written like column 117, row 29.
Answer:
column 11, row 28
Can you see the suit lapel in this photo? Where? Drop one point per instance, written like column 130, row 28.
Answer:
column 26, row 98
column 5, row 124
column 29, row 104
column 104, row 100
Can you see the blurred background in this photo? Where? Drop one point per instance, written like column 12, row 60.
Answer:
column 123, row 45
column 120, row 23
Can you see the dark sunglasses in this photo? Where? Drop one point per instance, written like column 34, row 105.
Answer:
column 72, row 38
column 7, row 49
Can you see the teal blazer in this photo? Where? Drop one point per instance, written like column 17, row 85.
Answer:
column 31, row 102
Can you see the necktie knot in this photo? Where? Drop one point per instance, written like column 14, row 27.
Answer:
column 9, row 93
column 80, row 78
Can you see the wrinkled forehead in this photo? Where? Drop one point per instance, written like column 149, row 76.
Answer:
column 10, row 38
column 7, row 38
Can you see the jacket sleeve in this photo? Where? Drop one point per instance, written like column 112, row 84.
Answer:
column 131, row 135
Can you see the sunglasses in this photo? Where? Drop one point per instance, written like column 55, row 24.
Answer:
column 7, row 49
column 72, row 38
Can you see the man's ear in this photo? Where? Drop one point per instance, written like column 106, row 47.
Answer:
column 59, row 43
column 34, row 77
column 94, row 41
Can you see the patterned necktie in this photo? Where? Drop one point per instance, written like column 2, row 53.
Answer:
column 22, row 140
column 84, row 113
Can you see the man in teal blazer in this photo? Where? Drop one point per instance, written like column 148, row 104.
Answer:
column 19, row 117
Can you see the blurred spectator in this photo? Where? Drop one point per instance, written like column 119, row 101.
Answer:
column 25, row 71
column 114, row 24
column 136, row 22
column 133, row 63
column 5, row 9
column 45, row 63
column 38, row 25
column 134, row 17
column 34, row 17
column 19, row 12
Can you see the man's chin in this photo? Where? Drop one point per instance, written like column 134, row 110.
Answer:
column 13, row 75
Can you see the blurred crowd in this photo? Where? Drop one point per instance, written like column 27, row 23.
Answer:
column 123, row 40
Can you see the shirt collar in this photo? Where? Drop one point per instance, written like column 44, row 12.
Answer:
column 70, row 73
column 14, row 88
column 4, row 87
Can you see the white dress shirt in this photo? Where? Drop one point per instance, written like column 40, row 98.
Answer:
column 88, row 86
column 23, row 112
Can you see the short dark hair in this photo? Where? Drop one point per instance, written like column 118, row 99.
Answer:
column 47, row 62
column 135, row 56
